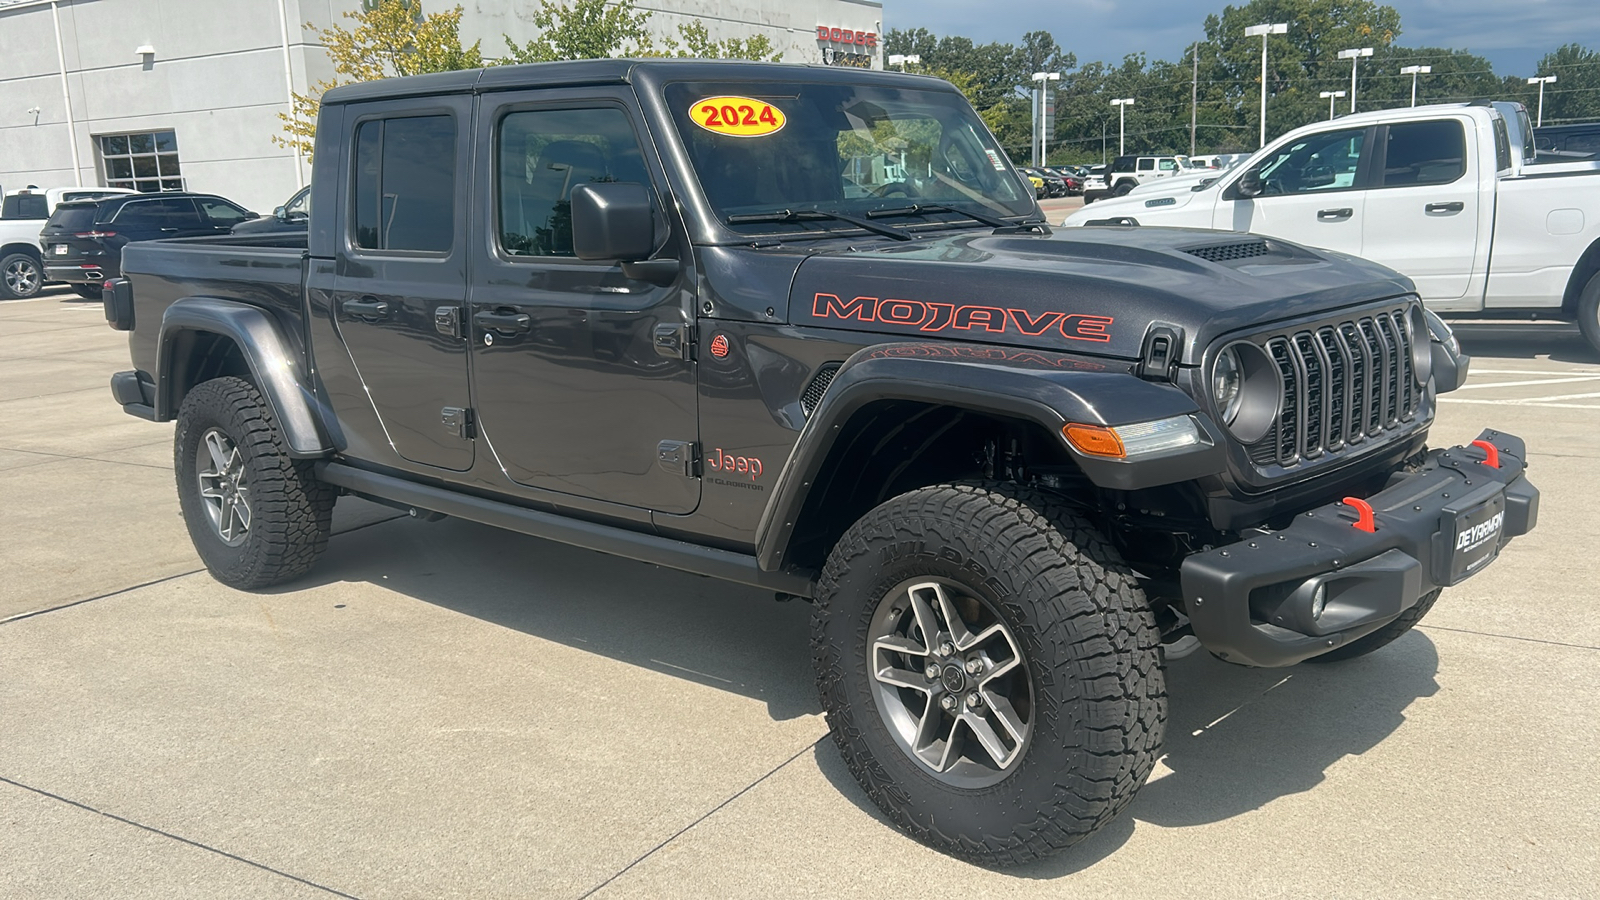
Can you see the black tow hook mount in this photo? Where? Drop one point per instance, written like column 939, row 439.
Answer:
column 1163, row 347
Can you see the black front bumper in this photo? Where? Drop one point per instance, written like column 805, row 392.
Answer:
column 1278, row 597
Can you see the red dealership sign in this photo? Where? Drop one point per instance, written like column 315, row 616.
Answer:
column 847, row 36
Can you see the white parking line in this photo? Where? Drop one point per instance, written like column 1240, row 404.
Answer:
column 1496, row 384
column 1590, row 371
column 1539, row 402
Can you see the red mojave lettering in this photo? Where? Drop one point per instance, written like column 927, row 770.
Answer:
column 929, row 316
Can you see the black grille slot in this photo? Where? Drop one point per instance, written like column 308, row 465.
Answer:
column 818, row 386
column 1218, row 253
column 1344, row 383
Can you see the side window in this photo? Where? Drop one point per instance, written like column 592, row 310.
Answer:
column 1321, row 162
column 1502, row 146
column 1168, row 165
column 299, row 206
column 221, row 214
column 181, row 213
column 1425, row 153
column 142, row 213
column 1147, row 164
column 541, row 155
column 404, row 197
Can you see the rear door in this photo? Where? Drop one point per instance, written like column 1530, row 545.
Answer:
column 1422, row 213
column 1312, row 192
column 575, row 393
column 401, row 275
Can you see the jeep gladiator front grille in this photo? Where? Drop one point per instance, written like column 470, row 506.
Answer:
column 1345, row 384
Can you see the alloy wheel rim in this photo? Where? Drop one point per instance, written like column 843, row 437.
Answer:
column 224, row 492
column 950, row 682
column 22, row 277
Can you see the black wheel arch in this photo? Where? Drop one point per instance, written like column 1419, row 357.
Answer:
column 203, row 338
column 902, row 416
column 1587, row 268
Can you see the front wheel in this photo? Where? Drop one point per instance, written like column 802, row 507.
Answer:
column 990, row 670
column 1589, row 312
column 257, row 516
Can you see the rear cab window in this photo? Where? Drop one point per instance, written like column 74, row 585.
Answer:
column 403, row 186
column 24, row 206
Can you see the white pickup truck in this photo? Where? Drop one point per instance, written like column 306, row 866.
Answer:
column 1446, row 194
column 22, row 215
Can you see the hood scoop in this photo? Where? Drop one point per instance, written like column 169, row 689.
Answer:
column 1232, row 252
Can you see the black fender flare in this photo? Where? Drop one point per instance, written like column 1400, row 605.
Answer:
column 274, row 366
column 1046, row 387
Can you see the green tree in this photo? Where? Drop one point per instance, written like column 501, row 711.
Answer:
column 596, row 29
column 1575, row 97
column 390, row 38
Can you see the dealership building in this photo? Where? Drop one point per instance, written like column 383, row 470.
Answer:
column 186, row 94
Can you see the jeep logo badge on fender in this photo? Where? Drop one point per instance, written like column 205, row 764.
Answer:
column 737, row 116
column 719, row 346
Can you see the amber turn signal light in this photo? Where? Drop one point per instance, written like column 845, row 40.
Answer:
column 1094, row 440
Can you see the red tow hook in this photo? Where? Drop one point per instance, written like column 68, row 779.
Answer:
column 1364, row 521
column 1491, row 456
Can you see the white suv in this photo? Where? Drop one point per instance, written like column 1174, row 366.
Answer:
column 1128, row 172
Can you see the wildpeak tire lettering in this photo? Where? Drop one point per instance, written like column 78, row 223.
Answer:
column 928, row 316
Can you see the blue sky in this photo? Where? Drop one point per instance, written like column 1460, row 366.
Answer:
column 1512, row 34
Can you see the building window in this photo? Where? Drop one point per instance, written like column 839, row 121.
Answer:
column 144, row 161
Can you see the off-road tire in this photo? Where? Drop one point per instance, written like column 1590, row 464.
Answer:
column 291, row 511
column 1123, row 189
column 1086, row 633
column 1589, row 312
column 1383, row 636
column 16, row 283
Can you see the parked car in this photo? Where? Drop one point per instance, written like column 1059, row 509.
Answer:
column 1429, row 191
column 1040, row 190
column 1128, row 172
column 22, row 215
column 1054, row 184
column 1009, row 466
column 1071, row 176
column 293, row 215
column 83, row 240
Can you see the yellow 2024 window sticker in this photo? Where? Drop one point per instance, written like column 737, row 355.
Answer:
column 737, row 116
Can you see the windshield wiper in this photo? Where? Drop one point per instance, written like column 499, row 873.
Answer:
column 795, row 215
column 982, row 218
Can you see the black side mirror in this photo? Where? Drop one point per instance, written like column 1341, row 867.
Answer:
column 1249, row 184
column 612, row 221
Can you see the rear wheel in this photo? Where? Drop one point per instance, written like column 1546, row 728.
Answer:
column 1123, row 189
column 990, row 670
column 257, row 516
column 1589, row 312
column 21, row 276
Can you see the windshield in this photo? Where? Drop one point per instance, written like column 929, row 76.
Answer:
column 841, row 148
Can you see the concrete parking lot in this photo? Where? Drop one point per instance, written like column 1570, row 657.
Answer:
column 443, row 710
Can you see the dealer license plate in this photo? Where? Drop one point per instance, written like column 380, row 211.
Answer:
column 60, row 249
column 1476, row 537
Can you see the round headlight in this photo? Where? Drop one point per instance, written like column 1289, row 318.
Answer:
column 1227, row 384
column 1422, row 337
column 1247, row 390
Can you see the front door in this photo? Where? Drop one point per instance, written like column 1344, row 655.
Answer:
column 1422, row 213
column 1312, row 193
column 401, row 277
column 574, row 394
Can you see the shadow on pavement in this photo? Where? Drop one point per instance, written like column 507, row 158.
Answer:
column 1239, row 738
column 713, row 633
column 1524, row 340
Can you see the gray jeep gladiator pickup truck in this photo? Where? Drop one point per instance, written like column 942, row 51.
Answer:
column 805, row 329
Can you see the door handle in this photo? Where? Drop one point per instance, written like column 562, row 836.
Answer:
column 370, row 309
column 1333, row 215
column 1452, row 206
column 503, row 322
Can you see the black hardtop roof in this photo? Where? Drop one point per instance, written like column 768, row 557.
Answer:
column 615, row 71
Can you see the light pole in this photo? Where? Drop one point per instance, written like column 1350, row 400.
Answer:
column 1041, row 125
column 1355, row 59
column 1541, row 82
column 1264, row 31
column 901, row 59
column 1329, row 96
column 1414, row 71
column 1122, row 110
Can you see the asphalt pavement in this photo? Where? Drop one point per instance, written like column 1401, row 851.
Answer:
column 444, row 710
